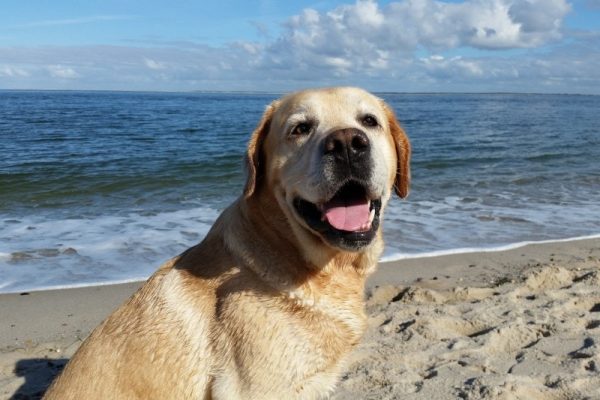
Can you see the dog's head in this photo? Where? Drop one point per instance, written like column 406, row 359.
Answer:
column 331, row 157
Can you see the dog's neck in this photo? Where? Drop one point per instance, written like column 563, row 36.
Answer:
column 257, row 229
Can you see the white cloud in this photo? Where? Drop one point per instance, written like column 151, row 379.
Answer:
column 12, row 72
column 454, row 67
column 154, row 64
column 366, row 38
column 405, row 25
column 62, row 72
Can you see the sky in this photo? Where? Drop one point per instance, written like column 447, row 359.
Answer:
column 540, row 46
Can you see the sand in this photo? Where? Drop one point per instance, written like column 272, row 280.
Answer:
column 517, row 324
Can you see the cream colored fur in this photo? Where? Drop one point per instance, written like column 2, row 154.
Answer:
column 263, row 308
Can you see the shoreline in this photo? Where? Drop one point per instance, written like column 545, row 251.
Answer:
column 383, row 260
column 282, row 92
column 491, row 249
column 42, row 329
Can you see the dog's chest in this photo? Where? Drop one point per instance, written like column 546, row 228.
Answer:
column 282, row 345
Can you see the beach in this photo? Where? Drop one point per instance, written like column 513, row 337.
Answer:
column 522, row 323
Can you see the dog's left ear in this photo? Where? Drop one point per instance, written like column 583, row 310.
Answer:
column 402, row 181
column 254, row 154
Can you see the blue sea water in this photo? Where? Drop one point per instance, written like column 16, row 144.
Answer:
column 100, row 187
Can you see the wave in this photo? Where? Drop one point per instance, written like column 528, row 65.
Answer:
column 38, row 252
column 466, row 250
column 5, row 286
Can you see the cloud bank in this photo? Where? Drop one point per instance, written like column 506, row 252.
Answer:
column 410, row 45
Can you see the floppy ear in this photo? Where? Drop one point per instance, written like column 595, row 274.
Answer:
column 254, row 157
column 402, row 181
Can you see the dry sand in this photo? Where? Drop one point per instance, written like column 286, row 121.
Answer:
column 517, row 324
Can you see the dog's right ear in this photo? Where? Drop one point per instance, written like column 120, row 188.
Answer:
column 402, row 181
column 255, row 162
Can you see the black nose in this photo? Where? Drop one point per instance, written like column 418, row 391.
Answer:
column 347, row 144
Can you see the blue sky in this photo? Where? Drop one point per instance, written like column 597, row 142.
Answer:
column 404, row 45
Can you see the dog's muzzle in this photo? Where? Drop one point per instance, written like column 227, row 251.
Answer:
column 349, row 217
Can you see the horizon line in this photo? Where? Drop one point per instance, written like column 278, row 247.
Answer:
column 279, row 92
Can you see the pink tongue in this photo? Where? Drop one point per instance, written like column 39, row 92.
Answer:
column 347, row 216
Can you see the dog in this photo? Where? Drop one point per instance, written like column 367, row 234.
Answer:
column 270, row 304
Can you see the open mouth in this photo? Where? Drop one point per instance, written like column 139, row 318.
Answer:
column 348, row 220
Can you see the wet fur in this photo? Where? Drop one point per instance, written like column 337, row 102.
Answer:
column 262, row 308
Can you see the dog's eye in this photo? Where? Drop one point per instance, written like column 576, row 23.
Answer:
column 370, row 121
column 302, row 129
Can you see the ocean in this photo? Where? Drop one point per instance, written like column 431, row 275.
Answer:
column 102, row 187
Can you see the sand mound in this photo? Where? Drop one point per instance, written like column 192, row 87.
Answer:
column 531, row 338
column 549, row 278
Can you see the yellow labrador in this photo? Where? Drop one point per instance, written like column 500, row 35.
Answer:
column 270, row 304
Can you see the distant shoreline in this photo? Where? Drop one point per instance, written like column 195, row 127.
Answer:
column 282, row 92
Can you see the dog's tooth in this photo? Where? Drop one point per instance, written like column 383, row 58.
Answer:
column 321, row 207
column 371, row 216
